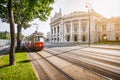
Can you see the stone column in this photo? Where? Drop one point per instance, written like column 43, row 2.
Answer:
column 56, row 34
column 64, row 32
column 87, row 27
column 71, row 32
column 53, row 36
column 79, row 29
column 50, row 34
column 61, row 34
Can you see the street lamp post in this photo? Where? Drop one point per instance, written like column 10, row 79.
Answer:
column 89, row 9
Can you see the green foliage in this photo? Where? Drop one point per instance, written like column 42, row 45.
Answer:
column 21, row 36
column 27, row 10
column 3, row 10
column 7, row 36
column 21, row 71
column 4, row 35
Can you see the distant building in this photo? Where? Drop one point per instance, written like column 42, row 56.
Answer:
column 74, row 27
column 108, row 29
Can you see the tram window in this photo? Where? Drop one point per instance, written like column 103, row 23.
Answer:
column 41, row 39
column 37, row 38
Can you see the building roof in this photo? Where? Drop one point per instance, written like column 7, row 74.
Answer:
column 58, row 16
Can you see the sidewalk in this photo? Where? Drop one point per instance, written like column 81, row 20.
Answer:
column 107, row 46
column 4, row 50
column 114, row 47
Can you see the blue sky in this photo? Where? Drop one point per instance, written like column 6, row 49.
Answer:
column 107, row 8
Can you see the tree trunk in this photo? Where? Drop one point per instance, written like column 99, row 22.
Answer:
column 12, row 32
column 18, row 37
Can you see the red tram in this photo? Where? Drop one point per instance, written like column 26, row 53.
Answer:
column 35, row 41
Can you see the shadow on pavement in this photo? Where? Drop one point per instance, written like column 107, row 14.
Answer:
column 4, row 66
column 25, row 61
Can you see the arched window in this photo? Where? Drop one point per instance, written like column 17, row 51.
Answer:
column 104, row 27
column 68, row 38
column 58, row 29
column 117, row 37
column 83, row 26
column 75, row 38
column 83, row 38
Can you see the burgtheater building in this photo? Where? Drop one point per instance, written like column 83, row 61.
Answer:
column 82, row 27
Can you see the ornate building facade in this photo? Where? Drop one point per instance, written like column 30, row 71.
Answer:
column 76, row 26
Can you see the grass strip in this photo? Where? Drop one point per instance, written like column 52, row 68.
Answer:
column 23, row 69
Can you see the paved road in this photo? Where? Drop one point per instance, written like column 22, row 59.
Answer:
column 4, row 49
column 51, row 45
column 103, row 59
column 51, row 67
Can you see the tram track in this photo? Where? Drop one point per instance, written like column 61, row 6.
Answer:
column 67, row 76
column 104, row 53
column 102, row 59
column 92, row 67
column 77, row 73
column 97, row 70
column 67, row 71
column 47, row 70
column 82, row 49
column 39, row 71
column 90, row 54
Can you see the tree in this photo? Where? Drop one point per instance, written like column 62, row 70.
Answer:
column 12, row 32
column 6, row 14
column 27, row 11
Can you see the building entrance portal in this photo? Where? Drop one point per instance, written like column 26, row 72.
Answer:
column 117, row 37
column 68, row 38
column 104, row 37
column 83, row 38
column 75, row 38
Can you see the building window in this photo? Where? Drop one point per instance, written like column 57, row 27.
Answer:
column 104, row 27
column 117, row 36
column 75, row 38
column 95, row 27
column 54, row 30
column 116, row 27
column 83, row 38
column 58, row 29
column 83, row 26
column 57, row 39
column 75, row 29
column 68, row 38
column 68, row 29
